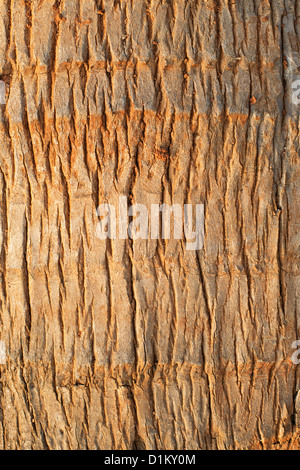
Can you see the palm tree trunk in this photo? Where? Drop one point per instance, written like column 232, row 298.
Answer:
column 134, row 344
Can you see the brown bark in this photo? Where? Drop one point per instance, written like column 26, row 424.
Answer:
column 132, row 345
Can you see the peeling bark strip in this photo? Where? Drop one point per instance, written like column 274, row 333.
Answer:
column 135, row 345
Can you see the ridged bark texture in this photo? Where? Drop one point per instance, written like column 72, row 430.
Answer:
column 140, row 344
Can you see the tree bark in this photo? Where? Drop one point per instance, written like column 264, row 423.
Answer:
column 123, row 344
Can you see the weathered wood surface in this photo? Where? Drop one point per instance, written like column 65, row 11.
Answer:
column 132, row 345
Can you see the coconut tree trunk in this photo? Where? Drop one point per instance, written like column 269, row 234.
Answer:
column 142, row 344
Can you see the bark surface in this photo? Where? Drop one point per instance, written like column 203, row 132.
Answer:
column 142, row 344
